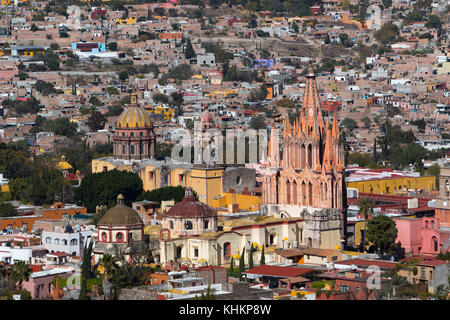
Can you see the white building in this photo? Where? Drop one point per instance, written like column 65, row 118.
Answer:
column 68, row 240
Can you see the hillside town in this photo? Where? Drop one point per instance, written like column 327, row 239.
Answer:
column 225, row 150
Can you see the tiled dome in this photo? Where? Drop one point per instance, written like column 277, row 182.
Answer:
column 120, row 215
column 190, row 208
column 134, row 116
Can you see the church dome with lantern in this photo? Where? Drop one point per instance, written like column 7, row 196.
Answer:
column 120, row 215
column 134, row 116
column 119, row 228
column 190, row 217
column 134, row 137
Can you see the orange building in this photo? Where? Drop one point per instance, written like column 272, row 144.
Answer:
column 25, row 223
column 157, row 278
column 177, row 36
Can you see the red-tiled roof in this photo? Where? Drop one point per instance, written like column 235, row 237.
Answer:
column 278, row 271
column 432, row 263
column 59, row 254
column 366, row 263
column 190, row 208
column 35, row 268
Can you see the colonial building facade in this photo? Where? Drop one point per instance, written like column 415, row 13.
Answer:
column 306, row 180
column 134, row 149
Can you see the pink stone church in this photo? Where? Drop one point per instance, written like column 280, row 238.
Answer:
column 306, row 179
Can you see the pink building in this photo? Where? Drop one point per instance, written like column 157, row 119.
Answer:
column 39, row 283
column 418, row 235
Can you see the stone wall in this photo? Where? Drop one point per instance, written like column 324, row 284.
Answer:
column 238, row 179
column 137, row 294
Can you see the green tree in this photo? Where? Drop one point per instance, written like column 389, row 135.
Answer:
column 382, row 232
column 114, row 110
column 123, row 75
column 242, row 264
column 420, row 124
column 164, row 194
column 366, row 209
column 434, row 22
column 181, row 72
column 258, row 94
column 434, row 170
column 366, row 122
column 86, row 271
column 286, row 103
column 44, row 88
column 349, row 124
column 160, row 98
column 375, row 154
column 54, row 46
column 387, row 34
column 20, row 271
column 62, row 127
column 250, row 257
column 189, row 51
column 96, row 121
column 110, row 267
column 112, row 46
column 103, row 188
column 258, row 122
column 231, row 271
column 263, row 257
column 95, row 101
column 8, row 210
column 111, row 91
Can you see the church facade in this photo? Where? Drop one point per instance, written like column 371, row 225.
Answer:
column 134, row 149
column 306, row 179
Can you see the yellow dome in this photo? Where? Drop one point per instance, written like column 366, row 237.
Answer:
column 63, row 164
column 134, row 117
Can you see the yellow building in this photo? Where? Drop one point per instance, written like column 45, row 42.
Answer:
column 130, row 20
column 242, row 201
column 207, row 182
column 388, row 181
column 155, row 174
column 224, row 93
column 443, row 68
column 166, row 111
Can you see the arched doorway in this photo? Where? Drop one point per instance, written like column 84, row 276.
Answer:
column 178, row 252
column 434, row 243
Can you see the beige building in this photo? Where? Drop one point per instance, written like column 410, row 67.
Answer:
column 218, row 247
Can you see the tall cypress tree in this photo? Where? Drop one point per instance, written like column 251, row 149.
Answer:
column 231, row 272
column 189, row 53
column 250, row 258
column 85, row 271
column 83, row 280
column 375, row 155
column 263, row 258
column 242, row 264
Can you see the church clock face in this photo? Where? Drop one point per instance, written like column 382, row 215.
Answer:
column 444, row 203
